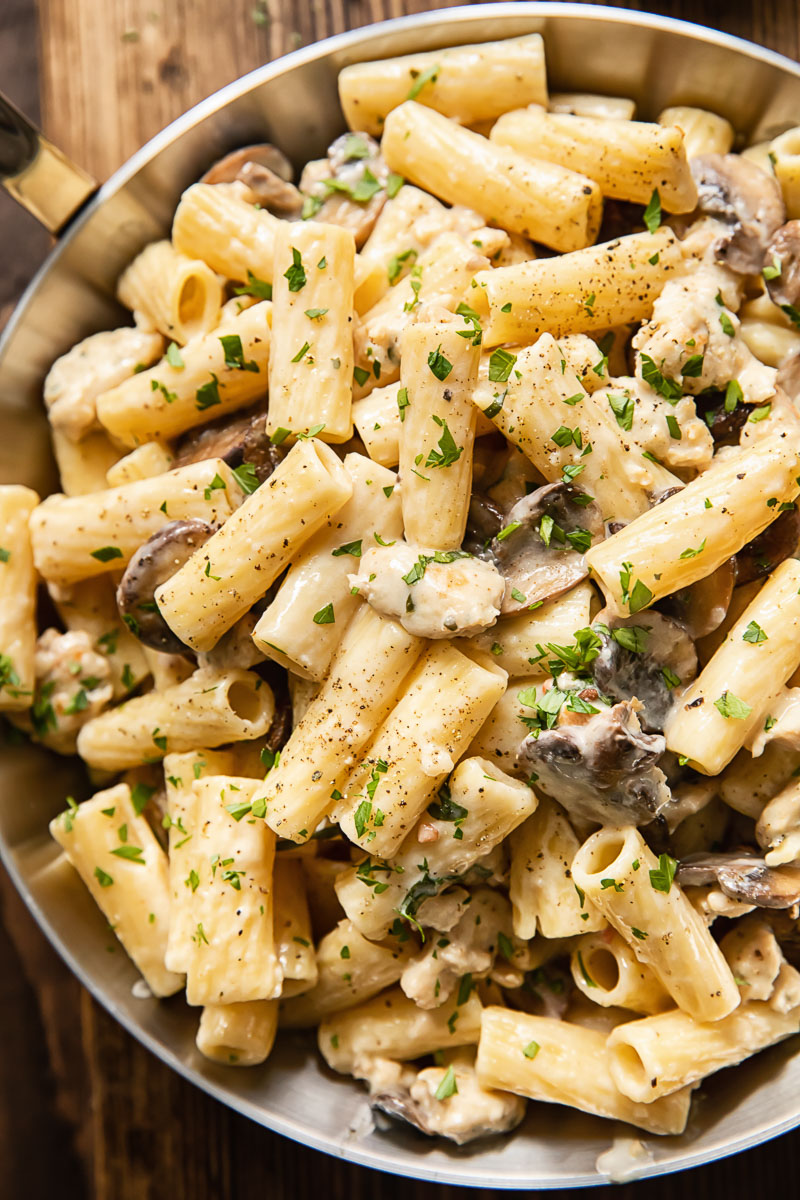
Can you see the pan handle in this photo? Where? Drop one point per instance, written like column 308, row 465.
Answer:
column 38, row 175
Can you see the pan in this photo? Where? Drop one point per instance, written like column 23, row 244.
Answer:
column 293, row 103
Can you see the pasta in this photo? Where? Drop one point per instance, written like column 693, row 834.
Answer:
column 422, row 593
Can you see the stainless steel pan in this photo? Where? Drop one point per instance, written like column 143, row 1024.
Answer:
column 294, row 103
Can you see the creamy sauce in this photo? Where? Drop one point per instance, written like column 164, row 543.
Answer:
column 448, row 599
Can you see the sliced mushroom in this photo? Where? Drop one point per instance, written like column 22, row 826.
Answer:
column 540, row 550
column 236, row 440
column 485, row 520
column 266, row 171
column 778, row 542
column 740, row 195
column 154, row 562
column 783, row 255
column 603, row 770
column 702, row 607
column 347, row 188
column 644, row 658
column 744, row 877
column 725, row 426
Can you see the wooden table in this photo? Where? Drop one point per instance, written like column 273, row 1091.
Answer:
column 84, row 1110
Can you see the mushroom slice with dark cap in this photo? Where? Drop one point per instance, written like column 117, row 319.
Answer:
column 602, row 770
column 644, row 658
column 268, row 174
column 725, row 424
column 744, row 877
column 778, row 542
column 782, row 266
column 153, row 563
column 540, row 549
column 485, row 519
column 236, row 440
column 702, row 607
column 347, row 188
column 746, row 199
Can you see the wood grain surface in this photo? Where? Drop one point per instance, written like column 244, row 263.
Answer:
column 85, row 1112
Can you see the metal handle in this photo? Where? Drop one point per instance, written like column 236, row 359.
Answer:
column 38, row 175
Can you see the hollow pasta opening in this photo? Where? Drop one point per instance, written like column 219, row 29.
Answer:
column 604, row 852
column 630, row 1060
column 244, row 702
column 191, row 303
column 603, row 968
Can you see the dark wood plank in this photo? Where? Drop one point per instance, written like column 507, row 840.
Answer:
column 84, row 1110
column 19, row 80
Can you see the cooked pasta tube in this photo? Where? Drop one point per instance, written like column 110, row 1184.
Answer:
column 179, row 296
column 83, row 466
column 91, row 605
column 534, row 404
column 588, row 104
column 726, row 705
column 501, row 734
column 629, row 160
column 367, row 673
column 547, row 1059
column 147, row 460
column 607, row 971
column 231, row 952
column 236, row 566
column 215, row 223
column 540, row 200
column 303, row 625
column 220, row 371
column 238, row 1035
column 116, row 854
column 470, row 83
column 658, row 1055
column 439, row 371
column 311, row 361
column 441, row 277
column 208, row 709
column 180, row 772
column 690, row 534
column 391, row 1026
column 785, row 159
column 292, row 928
column 480, row 808
column 767, row 331
column 541, row 889
column 76, row 537
column 377, row 421
column 704, row 132
column 438, row 712
column 351, row 970
column 634, row 891
column 582, row 292
column 17, row 598
column 514, row 641
column 408, row 223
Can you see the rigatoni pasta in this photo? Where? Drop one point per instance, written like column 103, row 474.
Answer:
column 464, row 759
column 219, row 583
column 541, row 201
column 470, row 83
column 311, row 364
